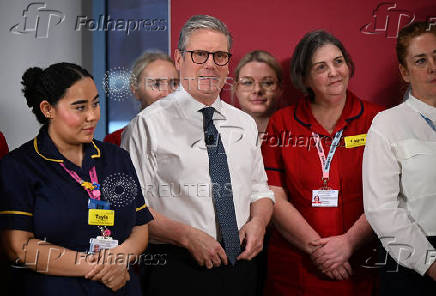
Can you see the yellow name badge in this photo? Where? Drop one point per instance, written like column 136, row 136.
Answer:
column 101, row 217
column 355, row 141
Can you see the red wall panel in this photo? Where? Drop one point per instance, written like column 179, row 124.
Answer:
column 278, row 25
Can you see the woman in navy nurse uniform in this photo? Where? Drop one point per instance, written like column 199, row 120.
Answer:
column 64, row 194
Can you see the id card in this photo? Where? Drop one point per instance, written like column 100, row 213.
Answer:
column 325, row 198
column 101, row 243
column 101, row 217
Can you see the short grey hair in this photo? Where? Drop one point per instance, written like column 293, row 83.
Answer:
column 201, row 21
column 143, row 61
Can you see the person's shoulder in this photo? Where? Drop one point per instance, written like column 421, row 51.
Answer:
column 394, row 116
column 372, row 107
column 236, row 112
column 114, row 137
column 283, row 115
column 284, row 111
column 21, row 154
column 161, row 107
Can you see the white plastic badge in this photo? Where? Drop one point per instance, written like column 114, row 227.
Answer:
column 325, row 198
column 101, row 243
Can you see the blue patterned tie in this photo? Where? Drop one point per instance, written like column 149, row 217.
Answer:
column 221, row 186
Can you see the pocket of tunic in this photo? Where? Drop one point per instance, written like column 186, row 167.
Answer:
column 418, row 163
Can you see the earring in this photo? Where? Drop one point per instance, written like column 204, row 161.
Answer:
column 48, row 115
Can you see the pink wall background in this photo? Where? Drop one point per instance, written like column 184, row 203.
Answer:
column 278, row 25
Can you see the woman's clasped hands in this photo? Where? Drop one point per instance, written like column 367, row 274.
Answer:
column 330, row 255
column 109, row 267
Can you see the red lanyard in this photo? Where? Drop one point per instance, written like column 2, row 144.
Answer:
column 93, row 188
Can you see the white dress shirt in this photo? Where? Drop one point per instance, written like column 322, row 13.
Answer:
column 399, row 182
column 166, row 144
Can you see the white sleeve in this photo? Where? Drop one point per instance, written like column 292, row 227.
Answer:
column 259, row 180
column 400, row 235
column 136, row 139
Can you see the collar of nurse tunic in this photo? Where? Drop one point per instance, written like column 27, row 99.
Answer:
column 353, row 109
column 49, row 152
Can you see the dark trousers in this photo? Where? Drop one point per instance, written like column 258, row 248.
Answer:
column 397, row 280
column 177, row 273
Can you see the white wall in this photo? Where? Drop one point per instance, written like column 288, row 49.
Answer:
column 21, row 51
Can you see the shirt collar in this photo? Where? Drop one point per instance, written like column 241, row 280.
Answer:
column 46, row 149
column 191, row 107
column 353, row 109
column 421, row 107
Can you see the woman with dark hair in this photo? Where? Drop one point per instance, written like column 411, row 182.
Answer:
column 312, row 155
column 71, row 210
column 399, row 171
column 258, row 79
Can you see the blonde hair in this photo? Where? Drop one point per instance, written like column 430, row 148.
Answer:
column 143, row 61
column 260, row 56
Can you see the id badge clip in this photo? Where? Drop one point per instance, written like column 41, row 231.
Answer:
column 98, row 204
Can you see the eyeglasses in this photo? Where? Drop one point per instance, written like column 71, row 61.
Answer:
column 247, row 83
column 162, row 83
column 220, row 58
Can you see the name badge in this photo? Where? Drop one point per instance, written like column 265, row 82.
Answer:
column 101, row 217
column 325, row 198
column 101, row 243
column 355, row 141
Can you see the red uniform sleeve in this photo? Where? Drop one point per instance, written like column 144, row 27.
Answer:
column 272, row 152
column 4, row 149
column 114, row 138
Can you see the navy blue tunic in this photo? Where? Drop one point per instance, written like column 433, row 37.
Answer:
column 39, row 196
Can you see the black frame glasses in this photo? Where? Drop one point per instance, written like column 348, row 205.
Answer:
column 220, row 58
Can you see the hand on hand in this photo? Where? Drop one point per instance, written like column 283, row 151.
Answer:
column 331, row 252
column 342, row 272
column 331, row 256
column 107, row 269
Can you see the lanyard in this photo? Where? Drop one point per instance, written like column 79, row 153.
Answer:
column 429, row 122
column 93, row 188
column 325, row 162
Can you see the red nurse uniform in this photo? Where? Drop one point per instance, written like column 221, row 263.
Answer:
column 292, row 162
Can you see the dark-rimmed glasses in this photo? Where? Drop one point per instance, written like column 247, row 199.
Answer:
column 220, row 58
